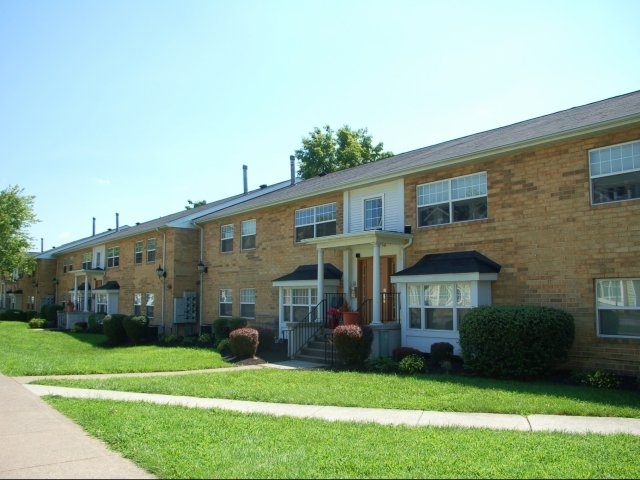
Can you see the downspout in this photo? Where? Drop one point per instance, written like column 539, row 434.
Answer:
column 201, row 303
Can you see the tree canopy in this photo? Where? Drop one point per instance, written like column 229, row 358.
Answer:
column 16, row 216
column 326, row 150
column 195, row 204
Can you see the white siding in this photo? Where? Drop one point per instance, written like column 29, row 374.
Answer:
column 393, row 206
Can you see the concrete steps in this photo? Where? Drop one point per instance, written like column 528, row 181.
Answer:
column 314, row 350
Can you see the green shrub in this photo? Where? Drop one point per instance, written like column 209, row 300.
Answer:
column 135, row 327
column 399, row 353
column 205, row 340
column 353, row 343
column 412, row 364
column 14, row 315
column 79, row 327
column 244, row 342
column 383, row 365
column 29, row 314
column 37, row 323
column 515, row 341
column 440, row 352
column 171, row 340
column 267, row 339
column 50, row 312
column 599, row 379
column 223, row 346
column 223, row 326
column 95, row 322
column 114, row 328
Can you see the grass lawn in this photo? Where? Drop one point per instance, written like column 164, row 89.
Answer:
column 26, row 351
column 177, row 442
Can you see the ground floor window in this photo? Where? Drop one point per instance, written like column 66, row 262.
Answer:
column 618, row 307
column 439, row 306
column 101, row 302
column 149, row 306
column 248, row 303
column 298, row 303
column 226, row 302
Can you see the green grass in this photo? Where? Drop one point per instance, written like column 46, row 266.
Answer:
column 26, row 351
column 352, row 389
column 177, row 442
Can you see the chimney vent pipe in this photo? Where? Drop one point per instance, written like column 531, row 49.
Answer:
column 292, row 160
column 244, row 178
column 117, row 221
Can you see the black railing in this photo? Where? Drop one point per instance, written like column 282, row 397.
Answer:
column 300, row 333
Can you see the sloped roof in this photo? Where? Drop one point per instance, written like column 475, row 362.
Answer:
column 110, row 285
column 181, row 219
column 310, row 272
column 452, row 262
column 574, row 122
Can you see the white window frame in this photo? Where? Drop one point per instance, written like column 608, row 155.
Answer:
column 298, row 302
column 86, row 261
column 137, row 252
column 619, row 297
column 151, row 250
column 372, row 222
column 226, row 238
column 225, row 297
column 446, row 194
column 137, row 304
column 318, row 218
column 248, row 303
column 149, row 306
column 614, row 173
column 248, row 234
column 113, row 257
column 417, row 299
column 102, row 300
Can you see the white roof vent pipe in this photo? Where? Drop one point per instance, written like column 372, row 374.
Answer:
column 244, row 178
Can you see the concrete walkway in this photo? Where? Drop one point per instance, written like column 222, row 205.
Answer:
column 39, row 442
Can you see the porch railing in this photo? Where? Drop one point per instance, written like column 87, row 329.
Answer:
column 298, row 334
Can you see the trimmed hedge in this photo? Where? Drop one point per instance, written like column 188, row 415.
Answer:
column 135, row 327
column 114, row 328
column 353, row 343
column 244, row 342
column 223, row 326
column 515, row 341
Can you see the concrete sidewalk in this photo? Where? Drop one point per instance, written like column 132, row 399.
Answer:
column 39, row 442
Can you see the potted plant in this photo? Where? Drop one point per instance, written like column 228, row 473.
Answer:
column 349, row 317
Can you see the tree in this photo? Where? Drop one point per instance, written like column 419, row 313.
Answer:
column 16, row 216
column 191, row 205
column 326, row 151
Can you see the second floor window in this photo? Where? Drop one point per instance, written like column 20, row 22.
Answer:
column 226, row 238
column 248, row 234
column 615, row 173
column 453, row 200
column 151, row 250
column 113, row 257
column 373, row 213
column 86, row 261
column 138, row 252
column 316, row 222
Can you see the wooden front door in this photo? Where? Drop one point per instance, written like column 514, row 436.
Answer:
column 365, row 287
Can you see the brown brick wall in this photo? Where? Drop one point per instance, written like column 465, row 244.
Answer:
column 276, row 254
column 552, row 244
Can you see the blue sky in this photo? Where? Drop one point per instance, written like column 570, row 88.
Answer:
column 136, row 107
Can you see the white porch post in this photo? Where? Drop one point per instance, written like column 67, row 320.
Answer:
column 75, row 291
column 375, row 319
column 85, row 307
column 320, row 275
